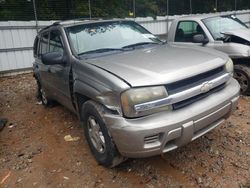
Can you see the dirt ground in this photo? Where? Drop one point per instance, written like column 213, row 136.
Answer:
column 33, row 152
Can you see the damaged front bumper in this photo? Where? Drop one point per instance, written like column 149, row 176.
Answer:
column 165, row 131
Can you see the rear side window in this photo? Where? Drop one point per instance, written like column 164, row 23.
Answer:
column 186, row 30
column 35, row 47
column 44, row 44
column 55, row 42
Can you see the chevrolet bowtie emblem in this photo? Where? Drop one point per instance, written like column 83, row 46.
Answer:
column 206, row 87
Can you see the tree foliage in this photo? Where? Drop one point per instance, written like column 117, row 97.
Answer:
column 69, row 9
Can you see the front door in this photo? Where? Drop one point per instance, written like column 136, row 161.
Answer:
column 59, row 73
column 43, row 68
column 185, row 32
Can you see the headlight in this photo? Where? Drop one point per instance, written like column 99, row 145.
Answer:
column 229, row 66
column 144, row 101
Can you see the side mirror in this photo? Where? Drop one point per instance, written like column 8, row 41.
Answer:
column 200, row 38
column 52, row 58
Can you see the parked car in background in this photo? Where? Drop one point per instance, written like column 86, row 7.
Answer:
column 134, row 95
column 224, row 33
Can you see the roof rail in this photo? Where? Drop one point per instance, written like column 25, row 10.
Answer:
column 95, row 18
column 81, row 19
column 54, row 24
column 77, row 19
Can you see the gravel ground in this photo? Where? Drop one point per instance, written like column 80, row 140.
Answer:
column 34, row 153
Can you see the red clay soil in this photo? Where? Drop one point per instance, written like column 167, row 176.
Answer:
column 33, row 152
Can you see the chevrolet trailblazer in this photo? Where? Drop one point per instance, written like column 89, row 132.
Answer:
column 134, row 95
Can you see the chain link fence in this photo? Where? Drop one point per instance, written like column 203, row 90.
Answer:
column 24, row 10
column 21, row 19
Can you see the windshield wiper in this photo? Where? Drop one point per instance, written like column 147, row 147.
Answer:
column 139, row 44
column 220, row 38
column 223, row 38
column 101, row 50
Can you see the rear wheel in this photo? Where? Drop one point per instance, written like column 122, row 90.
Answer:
column 242, row 75
column 44, row 98
column 41, row 96
column 98, row 137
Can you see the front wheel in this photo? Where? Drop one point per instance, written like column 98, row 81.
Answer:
column 98, row 137
column 242, row 75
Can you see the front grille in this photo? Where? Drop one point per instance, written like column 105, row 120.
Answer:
column 194, row 81
column 189, row 101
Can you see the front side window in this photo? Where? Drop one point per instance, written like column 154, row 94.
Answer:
column 108, row 35
column 186, row 30
column 43, row 49
column 218, row 25
column 55, row 42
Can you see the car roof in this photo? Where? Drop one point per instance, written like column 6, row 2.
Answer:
column 201, row 16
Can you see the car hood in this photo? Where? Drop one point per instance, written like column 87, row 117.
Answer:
column 242, row 33
column 162, row 64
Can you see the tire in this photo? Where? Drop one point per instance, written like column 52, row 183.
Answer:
column 41, row 96
column 242, row 75
column 38, row 94
column 100, row 142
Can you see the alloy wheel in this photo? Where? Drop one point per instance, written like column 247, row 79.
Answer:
column 96, row 135
column 43, row 96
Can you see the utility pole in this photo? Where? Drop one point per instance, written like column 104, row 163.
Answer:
column 35, row 13
column 90, row 16
column 167, row 15
column 134, row 8
column 190, row 5
column 216, row 5
column 235, row 6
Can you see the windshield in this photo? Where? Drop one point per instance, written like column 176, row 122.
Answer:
column 218, row 25
column 105, row 36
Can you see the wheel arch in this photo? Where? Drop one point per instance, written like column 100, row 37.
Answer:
column 84, row 92
column 242, row 61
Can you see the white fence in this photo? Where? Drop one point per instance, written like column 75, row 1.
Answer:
column 16, row 38
column 16, row 43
